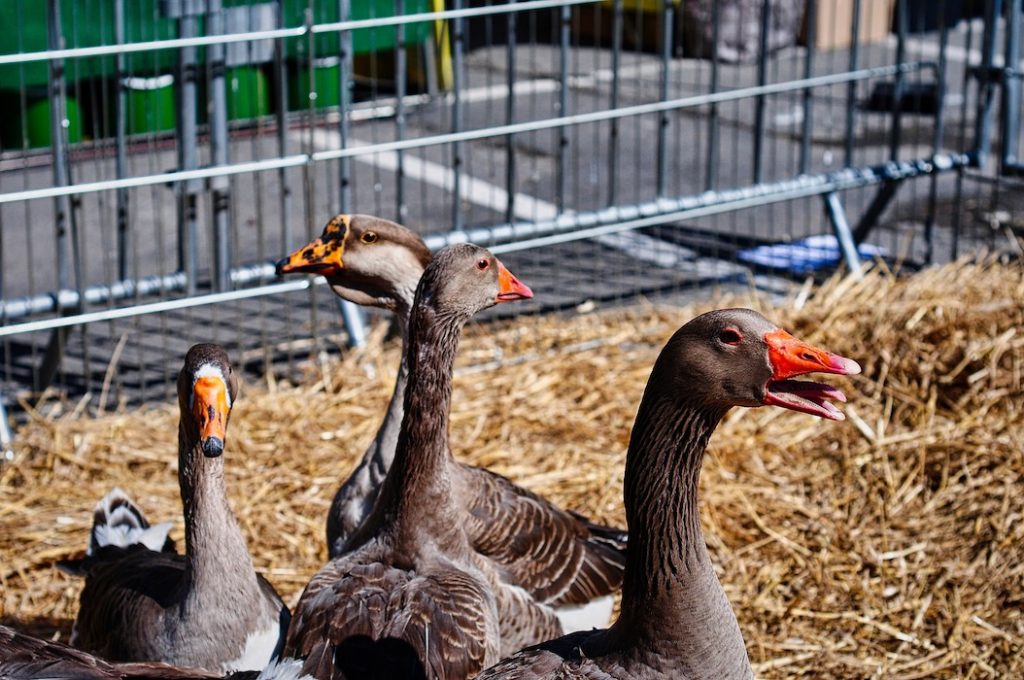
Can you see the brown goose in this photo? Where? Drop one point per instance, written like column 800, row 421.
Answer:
column 412, row 599
column 675, row 620
column 23, row 657
column 207, row 608
column 559, row 557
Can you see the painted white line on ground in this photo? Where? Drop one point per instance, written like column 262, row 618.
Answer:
column 479, row 192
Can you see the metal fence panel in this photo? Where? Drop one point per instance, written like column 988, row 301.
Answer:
column 158, row 157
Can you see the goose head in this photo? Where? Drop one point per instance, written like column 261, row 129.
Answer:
column 464, row 279
column 737, row 357
column 366, row 260
column 206, row 392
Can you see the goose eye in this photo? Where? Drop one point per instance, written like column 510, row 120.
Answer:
column 369, row 237
column 730, row 336
column 483, row 263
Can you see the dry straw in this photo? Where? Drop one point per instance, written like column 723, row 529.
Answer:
column 890, row 545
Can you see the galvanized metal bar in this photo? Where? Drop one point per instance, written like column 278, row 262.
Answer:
column 878, row 204
column 470, row 135
column 456, row 127
column 811, row 21
column 711, row 166
column 400, row 86
column 987, row 83
column 293, row 32
column 851, row 90
column 120, row 143
column 841, row 228
column 351, row 314
column 58, row 141
column 613, row 142
column 510, row 117
column 562, row 164
column 501, row 238
column 896, row 130
column 937, row 135
column 344, row 99
column 220, row 186
column 188, row 254
column 43, row 374
column 1010, row 105
column 759, row 101
column 666, row 64
column 281, row 120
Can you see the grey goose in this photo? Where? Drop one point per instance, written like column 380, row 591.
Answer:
column 560, row 558
column 675, row 621
column 205, row 609
column 411, row 598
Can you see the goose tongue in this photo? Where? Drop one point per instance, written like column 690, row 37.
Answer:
column 509, row 287
column 789, row 358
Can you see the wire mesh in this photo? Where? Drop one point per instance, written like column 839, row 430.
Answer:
column 158, row 156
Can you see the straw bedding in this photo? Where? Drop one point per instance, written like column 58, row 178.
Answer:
column 889, row 545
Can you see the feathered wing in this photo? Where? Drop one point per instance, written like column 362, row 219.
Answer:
column 360, row 619
column 23, row 657
column 559, row 659
column 559, row 557
column 127, row 589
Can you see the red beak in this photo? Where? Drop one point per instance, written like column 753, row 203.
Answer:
column 789, row 358
column 509, row 287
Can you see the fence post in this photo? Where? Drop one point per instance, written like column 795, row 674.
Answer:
column 219, row 146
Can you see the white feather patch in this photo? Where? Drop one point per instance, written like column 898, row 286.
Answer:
column 594, row 614
column 285, row 669
column 259, row 647
column 123, row 524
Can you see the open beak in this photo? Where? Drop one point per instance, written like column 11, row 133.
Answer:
column 319, row 257
column 509, row 287
column 789, row 358
column 211, row 406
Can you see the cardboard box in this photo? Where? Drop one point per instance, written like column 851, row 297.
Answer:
column 834, row 23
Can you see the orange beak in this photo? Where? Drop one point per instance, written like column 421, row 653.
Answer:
column 509, row 287
column 789, row 358
column 319, row 257
column 211, row 407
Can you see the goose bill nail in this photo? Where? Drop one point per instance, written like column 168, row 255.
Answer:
column 509, row 287
column 210, row 408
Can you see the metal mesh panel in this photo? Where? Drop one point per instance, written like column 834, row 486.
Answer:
column 157, row 157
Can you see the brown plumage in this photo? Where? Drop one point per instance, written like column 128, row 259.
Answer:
column 559, row 557
column 412, row 599
column 23, row 657
column 207, row 608
column 676, row 622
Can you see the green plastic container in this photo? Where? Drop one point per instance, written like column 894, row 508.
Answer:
column 151, row 104
column 326, row 84
column 36, row 122
column 248, row 93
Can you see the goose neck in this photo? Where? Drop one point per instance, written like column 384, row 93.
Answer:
column 673, row 604
column 215, row 550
